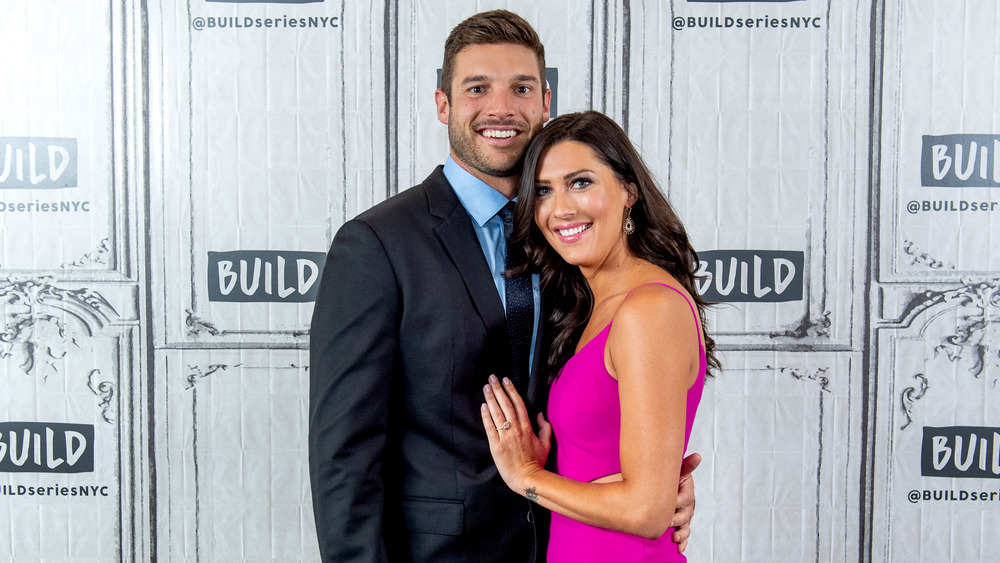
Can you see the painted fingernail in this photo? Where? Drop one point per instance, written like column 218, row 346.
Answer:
column 483, row 407
column 506, row 381
column 487, row 389
column 493, row 378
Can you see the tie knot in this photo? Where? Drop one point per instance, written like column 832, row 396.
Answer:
column 507, row 211
column 506, row 215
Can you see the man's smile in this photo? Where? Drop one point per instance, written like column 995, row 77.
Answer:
column 499, row 133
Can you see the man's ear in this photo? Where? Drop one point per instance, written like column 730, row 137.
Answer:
column 441, row 101
column 546, row 101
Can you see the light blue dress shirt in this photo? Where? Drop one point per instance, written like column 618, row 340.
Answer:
column 483, row 203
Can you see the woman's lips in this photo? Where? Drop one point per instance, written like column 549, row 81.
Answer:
column 571, row 233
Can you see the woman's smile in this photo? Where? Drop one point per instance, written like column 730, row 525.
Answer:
column 569, row 234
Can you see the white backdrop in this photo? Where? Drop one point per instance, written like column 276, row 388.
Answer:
column 172, row 173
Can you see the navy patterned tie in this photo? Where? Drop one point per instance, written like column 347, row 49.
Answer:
column 520, row 304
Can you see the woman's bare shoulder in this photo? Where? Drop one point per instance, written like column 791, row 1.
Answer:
column 655, row 301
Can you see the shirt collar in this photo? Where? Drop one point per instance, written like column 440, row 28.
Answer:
column 480, row 200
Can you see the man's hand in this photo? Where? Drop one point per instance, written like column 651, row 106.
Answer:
column 685, row 502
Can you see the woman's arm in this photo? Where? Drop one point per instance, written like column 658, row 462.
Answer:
column 653, row 352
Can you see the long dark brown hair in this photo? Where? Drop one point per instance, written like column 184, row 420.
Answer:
column 659, row 235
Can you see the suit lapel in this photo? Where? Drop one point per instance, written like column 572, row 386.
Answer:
column 459, row 240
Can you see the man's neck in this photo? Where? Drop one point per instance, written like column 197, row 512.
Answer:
column 505, row 185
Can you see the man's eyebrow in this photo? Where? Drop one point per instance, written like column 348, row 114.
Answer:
column 475, row 78
column 485, row 78
column 525, row 78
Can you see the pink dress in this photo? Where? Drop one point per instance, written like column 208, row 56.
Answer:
column 585, row 415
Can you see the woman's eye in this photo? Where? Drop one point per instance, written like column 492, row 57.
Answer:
column 542, row 190
column 580, row 183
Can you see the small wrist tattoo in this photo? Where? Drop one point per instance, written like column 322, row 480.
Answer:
column 530, row 494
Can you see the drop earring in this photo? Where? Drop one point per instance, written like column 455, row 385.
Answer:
column 628, row 226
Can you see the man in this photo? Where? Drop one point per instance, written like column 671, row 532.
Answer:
column 410, row 322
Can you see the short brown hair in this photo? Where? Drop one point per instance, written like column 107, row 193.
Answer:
column 489, row 28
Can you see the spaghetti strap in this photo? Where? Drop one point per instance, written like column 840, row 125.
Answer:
column 690, row 303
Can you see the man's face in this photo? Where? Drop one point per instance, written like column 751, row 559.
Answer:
column 498, row 104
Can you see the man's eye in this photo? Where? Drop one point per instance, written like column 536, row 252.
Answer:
column 523, row 89
column 476, row 90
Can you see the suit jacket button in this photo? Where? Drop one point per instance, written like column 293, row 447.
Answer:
column 531, row 517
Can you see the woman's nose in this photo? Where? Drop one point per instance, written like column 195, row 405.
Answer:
column 562, row 204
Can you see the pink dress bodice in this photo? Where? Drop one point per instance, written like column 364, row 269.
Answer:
column 585, row 414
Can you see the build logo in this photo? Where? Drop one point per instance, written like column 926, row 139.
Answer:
column 37, row 163
column 960, row 161
column 46, row 447
column 750, row 276
column 971, row 452
column 276, row 276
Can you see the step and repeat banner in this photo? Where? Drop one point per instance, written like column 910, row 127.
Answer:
column 172, row 173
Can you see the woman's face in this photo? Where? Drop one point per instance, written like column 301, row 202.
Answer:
column 580, row 205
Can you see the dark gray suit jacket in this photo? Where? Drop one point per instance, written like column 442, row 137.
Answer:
column 407, row 327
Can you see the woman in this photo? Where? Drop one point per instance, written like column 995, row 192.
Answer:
column 628, row 345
